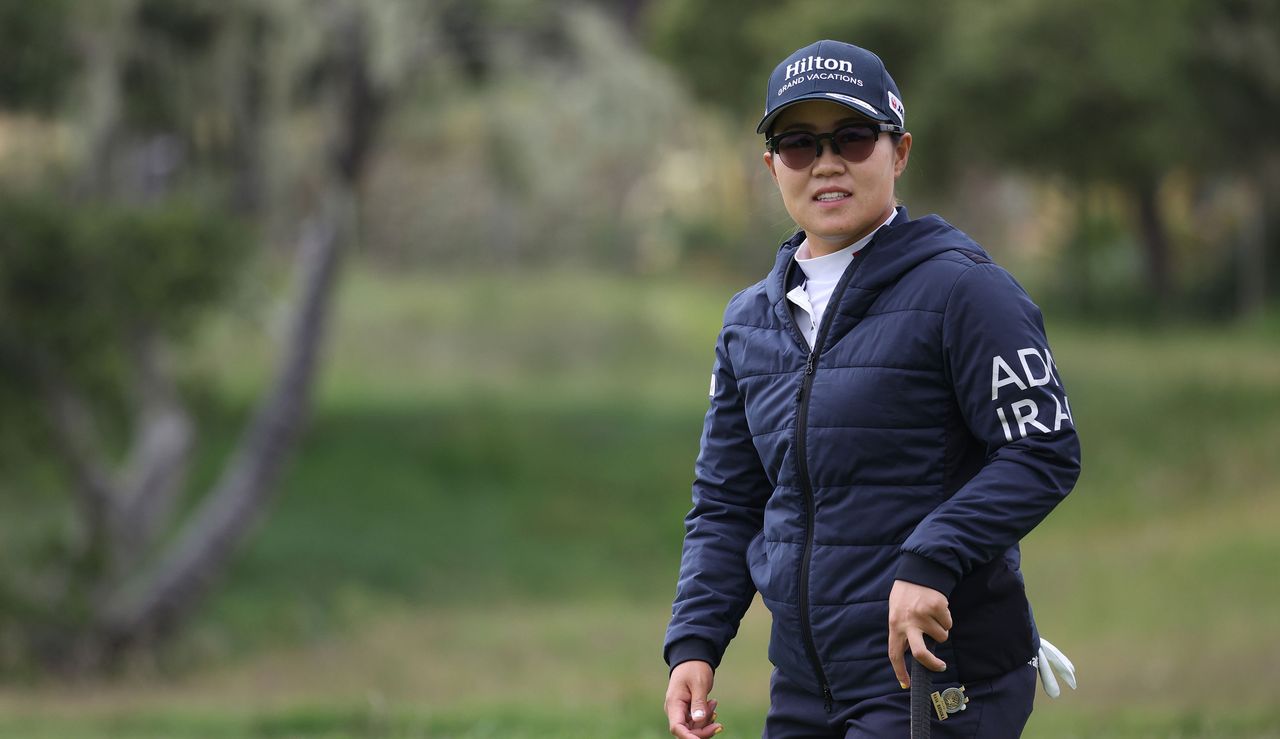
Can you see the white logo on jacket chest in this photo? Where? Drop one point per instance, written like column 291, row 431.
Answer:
column 1038, row 370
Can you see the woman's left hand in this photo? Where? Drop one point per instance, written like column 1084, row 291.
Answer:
column 916, row 611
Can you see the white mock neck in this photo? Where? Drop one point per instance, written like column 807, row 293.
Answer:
column 835, row 262
column 821, row 275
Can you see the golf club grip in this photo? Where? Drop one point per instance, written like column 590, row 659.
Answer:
column 921, row 703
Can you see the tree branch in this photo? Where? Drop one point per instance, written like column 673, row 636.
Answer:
column 76, row 439
column 157, row 465
column 150, row 603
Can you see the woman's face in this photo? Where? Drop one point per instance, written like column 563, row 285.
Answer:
column 856, row 197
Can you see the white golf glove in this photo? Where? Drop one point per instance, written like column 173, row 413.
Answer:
column 1051, row 660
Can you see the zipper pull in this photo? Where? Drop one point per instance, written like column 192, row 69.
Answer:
column 827, row 699
column 810, row 362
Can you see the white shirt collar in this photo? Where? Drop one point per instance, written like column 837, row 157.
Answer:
column 831, row 266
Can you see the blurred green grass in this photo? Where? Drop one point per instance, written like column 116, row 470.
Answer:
column 480, row 532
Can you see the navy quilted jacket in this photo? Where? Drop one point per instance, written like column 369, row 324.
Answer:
column 926, row 433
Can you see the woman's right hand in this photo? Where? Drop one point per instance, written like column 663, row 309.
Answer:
column 690, row 715
column 916, row 611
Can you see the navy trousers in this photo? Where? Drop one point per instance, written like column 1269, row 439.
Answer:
column 997, row 709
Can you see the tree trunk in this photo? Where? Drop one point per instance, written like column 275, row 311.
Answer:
column 152, row 603
column 249, row 117
column 156, row 470
column 123, row 587
column 1155, row 242
column 105, row 34
column 148, row 605
column 1251, row 261
column 76, row 438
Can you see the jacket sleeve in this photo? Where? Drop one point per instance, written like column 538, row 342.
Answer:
column 1012, row 398
column 729, row 493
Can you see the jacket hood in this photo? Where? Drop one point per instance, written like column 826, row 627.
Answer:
column 895, row 250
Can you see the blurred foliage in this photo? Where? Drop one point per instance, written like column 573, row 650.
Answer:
column 1092, row 90
column 618, row 134
column 1235, row 67
column 79, row 288
column 163, row 70
column 1075, row 90
column 1102, row 97
column 39, row 63
column 118, row 236
column 591, row 154
column 75, row 282
column 129, row 234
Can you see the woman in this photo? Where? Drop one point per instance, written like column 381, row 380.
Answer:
column 886, row 423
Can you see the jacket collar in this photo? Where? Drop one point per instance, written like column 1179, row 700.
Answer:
column 893, row 251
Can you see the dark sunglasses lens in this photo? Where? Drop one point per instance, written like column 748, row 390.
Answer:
column 855, row 142
column 797, row 150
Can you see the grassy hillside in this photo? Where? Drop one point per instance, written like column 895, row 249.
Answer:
column 479, row 535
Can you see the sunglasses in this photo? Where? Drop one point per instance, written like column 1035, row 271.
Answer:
column 854, row 143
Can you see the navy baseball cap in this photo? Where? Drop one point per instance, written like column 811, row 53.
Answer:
column 835, row 71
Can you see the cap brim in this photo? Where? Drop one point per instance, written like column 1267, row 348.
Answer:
column 860, row 107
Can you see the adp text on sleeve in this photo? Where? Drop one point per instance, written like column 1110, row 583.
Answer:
column 1032, row 367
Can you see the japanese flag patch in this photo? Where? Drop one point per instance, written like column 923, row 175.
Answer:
column 896, row 106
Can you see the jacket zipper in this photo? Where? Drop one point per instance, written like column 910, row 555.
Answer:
column 802, row 420
column 806, row 484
